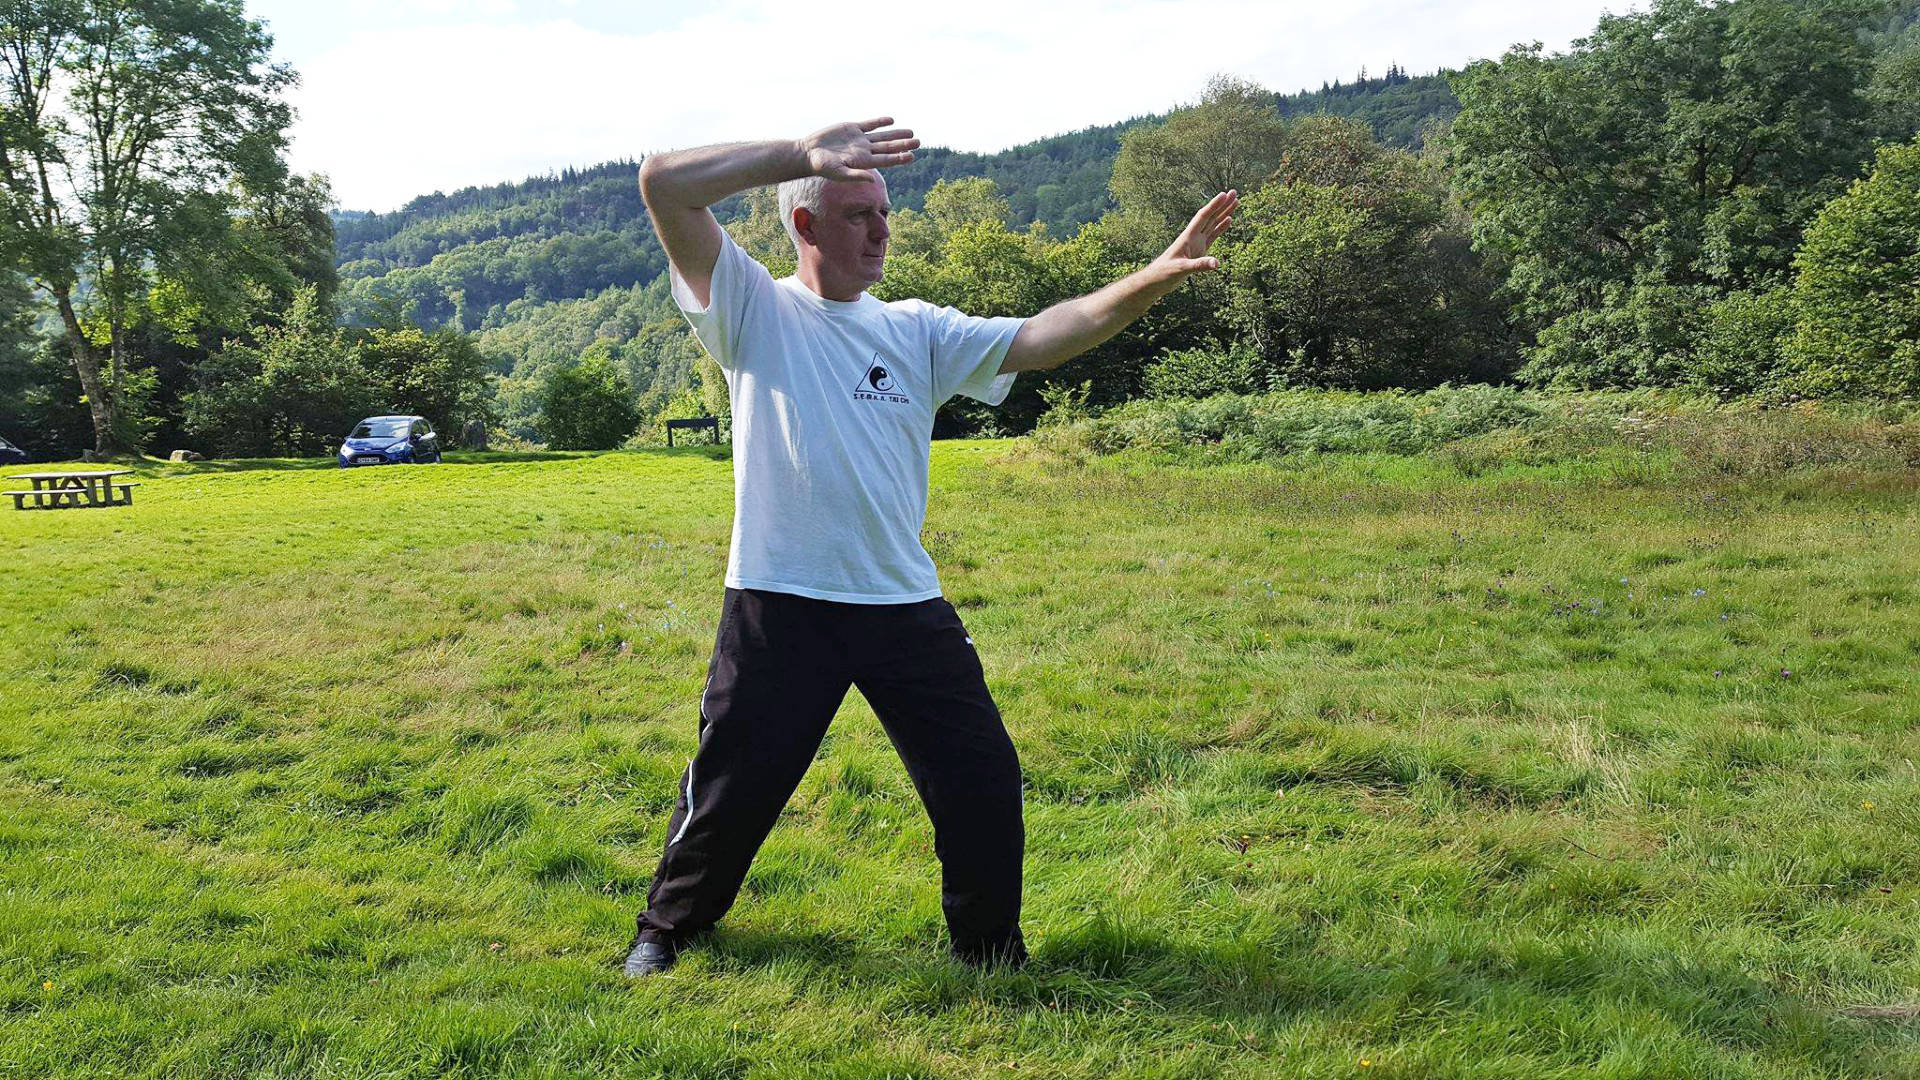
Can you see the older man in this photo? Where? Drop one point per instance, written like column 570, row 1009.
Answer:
column 827, row 584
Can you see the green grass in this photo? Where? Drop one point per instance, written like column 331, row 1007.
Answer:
column 1339, row 766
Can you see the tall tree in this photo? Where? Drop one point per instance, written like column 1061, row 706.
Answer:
column 1672, row 155
column 1232, row 139
column 128, row 131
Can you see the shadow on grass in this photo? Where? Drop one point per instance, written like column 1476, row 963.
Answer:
column 1539, row 997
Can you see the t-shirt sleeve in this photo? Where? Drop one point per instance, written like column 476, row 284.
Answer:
column 740, row 285
column 967, row 351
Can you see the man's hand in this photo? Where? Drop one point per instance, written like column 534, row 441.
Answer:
column 843, row 151
column 1188, row 255
column 680, row 185
column 1071, row 327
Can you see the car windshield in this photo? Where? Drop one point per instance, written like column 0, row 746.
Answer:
column 380, row 429
column 5, row 445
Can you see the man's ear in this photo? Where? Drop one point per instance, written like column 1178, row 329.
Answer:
column 803, row 223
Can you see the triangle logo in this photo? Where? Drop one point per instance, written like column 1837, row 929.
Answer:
column 878, row 383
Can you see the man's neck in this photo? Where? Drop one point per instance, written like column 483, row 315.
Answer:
column 843, row 291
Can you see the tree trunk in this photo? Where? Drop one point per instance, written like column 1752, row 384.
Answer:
column 86, row 364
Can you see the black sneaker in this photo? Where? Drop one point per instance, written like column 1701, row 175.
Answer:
column 650, row 958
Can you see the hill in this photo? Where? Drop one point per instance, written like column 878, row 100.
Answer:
column 466, row 256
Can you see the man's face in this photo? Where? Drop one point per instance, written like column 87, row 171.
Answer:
column 850, row 230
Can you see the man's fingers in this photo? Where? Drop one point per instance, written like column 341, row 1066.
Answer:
column 879, row 161
column 1218, row 208
column 894, row 146
column 890, row 134
column 869, row 125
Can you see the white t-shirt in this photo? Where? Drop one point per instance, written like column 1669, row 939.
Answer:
column 833, row 405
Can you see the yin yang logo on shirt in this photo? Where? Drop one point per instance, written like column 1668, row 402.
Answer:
column 878, row 383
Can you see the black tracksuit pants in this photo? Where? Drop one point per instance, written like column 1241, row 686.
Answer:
column 781, row 666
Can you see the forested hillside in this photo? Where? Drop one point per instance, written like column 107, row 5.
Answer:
column 465, row 256
column 544, row 267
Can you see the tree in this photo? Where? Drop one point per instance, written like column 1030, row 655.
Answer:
column 760, row 233
column 439, row 374
column 1232, row 139
column 588, row 405
column 1857, row 289
column 124, row 126
column 40, row 401
column 1352, row 269
column 1673, row 155
column 296, row 390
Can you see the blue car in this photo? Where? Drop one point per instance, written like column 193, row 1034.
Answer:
column 390, row 440
column 11, row 454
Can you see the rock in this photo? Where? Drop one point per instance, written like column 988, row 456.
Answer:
column 474, row 435
column 184, row 455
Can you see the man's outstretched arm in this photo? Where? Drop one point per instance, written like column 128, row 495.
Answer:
column 679, row 185
column 1071, row 327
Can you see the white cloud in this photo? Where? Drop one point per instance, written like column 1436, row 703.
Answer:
column 397, row 112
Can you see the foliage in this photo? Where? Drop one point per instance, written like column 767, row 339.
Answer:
column 588, row 405
column 760, row 233
column 1858, row 285
column 961, row 253
column 302, row 385
column 640, row 325
column 1740, row 349
column 1635, row 334
column 1400, row 110
column 467, row 286
column 1232, row 139
column 136, row 130
column 439, row 374
column 1673, row 155
column 1295, row 421
column 1478, row 428
column 1206, row 371
column 40, row 397
column 295, row 391
column 1895, row 90
column 1350, row 270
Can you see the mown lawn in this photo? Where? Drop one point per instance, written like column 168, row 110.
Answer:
column 1344, row 767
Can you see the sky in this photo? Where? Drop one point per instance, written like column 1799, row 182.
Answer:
column 399, row 98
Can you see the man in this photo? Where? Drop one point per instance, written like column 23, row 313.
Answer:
column 827, row 584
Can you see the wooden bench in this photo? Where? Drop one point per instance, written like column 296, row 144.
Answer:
column 698, row 423
column 110, row 494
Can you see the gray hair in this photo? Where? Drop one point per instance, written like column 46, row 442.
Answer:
column 810, row 192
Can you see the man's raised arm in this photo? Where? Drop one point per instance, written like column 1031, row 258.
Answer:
column 1071, row 327
column 679, row 185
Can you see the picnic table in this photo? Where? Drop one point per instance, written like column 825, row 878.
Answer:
column 697, row 423
column 53, row 490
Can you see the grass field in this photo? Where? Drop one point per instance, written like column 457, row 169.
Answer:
column 1346, row 766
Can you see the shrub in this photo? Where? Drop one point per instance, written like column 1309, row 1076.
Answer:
column 1741, row 347
column 1476, row 428
column 1858, row 285
column 1206, row 371
column 588, row 405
